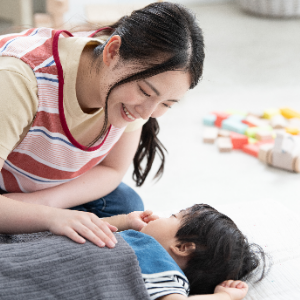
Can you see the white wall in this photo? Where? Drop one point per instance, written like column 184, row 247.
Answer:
column 76, row 11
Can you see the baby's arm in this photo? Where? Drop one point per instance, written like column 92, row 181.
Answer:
column 135, row 220
column 227, row 290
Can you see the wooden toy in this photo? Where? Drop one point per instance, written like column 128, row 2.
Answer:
column 220, row 117
column 253, row 149
column 234, row 125
column 262, row 135
column 252, row 140
column 265, row 153
column 209, row 120
column 294, row 123
column 224, row 144
column 269, row 113
column 286, row 152
column 251, row 131
column 224, row 133
column 238, row 140
column 254, row 121
column 292, row 130
column 279, row 122
column 210, row 134
column 289, row 113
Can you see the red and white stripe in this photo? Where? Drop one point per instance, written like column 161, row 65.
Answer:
column 48, row 155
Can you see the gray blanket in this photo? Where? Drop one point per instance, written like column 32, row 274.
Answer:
column 45, row 266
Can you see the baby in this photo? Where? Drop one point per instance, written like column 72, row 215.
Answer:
column 198, row 251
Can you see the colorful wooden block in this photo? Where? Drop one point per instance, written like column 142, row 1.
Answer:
column 279, row 122
column 224, row 144
column 253, row 121
column 209, row 120
column 234, row 125
column 224, row 133
column 262, row 135
column 238, row 140
column 251, row 149
column 210, row 134
column 251, row 131
column 265, row 153
column 220, row 117
column 252, row 140
column 270, row 113
column 291, row 130
column 289, row 113
column 294, row 123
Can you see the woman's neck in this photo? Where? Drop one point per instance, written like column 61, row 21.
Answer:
column 85, row 82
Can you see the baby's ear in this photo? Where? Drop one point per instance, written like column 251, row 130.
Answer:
column 183, row 249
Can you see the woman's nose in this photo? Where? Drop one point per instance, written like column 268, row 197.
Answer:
column 146, row 109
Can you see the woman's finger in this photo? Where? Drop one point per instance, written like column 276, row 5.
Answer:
column 100, row 238
column 73, row 235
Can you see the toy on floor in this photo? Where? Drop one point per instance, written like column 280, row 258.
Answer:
column 273, row 136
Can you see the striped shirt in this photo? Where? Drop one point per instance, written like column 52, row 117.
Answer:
column 165, row 283
column 161, row 274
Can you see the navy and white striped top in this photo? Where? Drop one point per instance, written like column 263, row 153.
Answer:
column 161, row 274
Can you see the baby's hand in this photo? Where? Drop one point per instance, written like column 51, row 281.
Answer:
column 139, row 219
column 236, row 289
column 78, row 225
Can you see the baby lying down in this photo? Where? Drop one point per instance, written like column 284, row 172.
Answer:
column 198, row 252
column 194, row 252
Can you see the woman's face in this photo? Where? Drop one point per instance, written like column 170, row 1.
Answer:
column 150, row 97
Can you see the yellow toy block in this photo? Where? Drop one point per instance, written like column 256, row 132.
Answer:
column 270, row 113
column 289, row 113
column 291, row 130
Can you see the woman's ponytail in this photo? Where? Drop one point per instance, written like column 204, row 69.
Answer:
column 148, row 147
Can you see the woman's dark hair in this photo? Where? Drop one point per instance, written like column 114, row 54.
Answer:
column 222, row 251
column 160, row 37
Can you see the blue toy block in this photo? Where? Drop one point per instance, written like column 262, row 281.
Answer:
column 209, row 120
column 235, row 125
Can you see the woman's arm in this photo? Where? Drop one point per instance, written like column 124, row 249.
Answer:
column 94, row 184
column 19, row 217
column 227, row 290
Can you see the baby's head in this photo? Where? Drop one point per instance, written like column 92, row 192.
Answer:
column 208, row 247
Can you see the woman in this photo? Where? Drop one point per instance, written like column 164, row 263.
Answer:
column 62, row 90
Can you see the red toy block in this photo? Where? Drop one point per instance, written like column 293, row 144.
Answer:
column 251, row 149
column 248, row 123
column 238, row 140
column 220, row 117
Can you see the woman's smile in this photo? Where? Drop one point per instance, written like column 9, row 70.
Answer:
column 127, row 116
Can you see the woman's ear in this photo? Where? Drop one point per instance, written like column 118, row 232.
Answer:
column 111, row 49
column 184, row 249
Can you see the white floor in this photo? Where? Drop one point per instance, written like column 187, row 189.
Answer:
column 252, row 64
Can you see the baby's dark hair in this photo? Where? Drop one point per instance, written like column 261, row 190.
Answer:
column 222, row 251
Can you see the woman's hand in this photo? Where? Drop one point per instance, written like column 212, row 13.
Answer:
column 78, row 225
column 236, row 289
column 138, row 219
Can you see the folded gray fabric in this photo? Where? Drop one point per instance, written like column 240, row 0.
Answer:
column 45, row 266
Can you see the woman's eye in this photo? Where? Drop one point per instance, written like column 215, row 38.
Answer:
column 166, row 105
column 144, row 92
